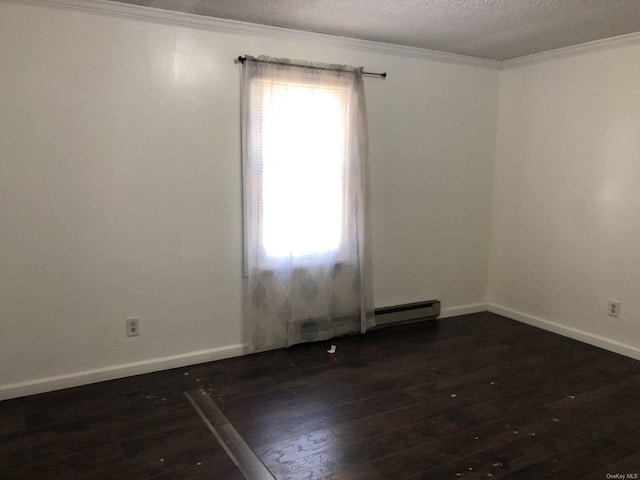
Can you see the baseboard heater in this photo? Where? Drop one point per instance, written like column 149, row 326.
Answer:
column 407, row 313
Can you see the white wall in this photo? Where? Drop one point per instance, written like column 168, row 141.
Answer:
column 566, row 208
column 120, row 189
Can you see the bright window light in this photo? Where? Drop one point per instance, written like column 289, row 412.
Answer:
column 303, row 169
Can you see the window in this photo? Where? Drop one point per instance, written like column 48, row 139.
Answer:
column 298, row 140
column 303, row 166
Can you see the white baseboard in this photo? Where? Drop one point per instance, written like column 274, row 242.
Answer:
column 577, row 334
column 462, row 310
column 48, row 384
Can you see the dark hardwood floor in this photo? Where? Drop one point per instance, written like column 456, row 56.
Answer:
column 478, row 396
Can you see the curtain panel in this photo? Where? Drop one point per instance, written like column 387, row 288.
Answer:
column 306, row 220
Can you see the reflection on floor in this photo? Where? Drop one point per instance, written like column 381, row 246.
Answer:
column 477, row 396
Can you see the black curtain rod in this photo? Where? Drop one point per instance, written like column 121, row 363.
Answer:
column 242, row 59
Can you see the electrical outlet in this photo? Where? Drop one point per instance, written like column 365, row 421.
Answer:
column 614, row 308
column 133, row 326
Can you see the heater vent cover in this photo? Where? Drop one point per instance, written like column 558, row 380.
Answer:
column 407, row 313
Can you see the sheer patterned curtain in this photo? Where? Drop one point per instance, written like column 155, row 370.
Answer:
column 307, row 255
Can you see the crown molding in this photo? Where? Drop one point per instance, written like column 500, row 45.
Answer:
column 573, row 50
column 200, row 22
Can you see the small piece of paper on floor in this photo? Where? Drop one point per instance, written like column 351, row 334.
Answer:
column 332, row 349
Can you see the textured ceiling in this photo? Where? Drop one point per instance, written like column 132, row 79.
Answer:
column 496, row 29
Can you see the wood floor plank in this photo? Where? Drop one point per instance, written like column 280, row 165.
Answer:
column 581, row 462
column 208, row 470
column 309, row 443
column 11, row 423
column 14, row 458
column 628, row 467
column 115, row 430
column 67, row 467
column 308, row 417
